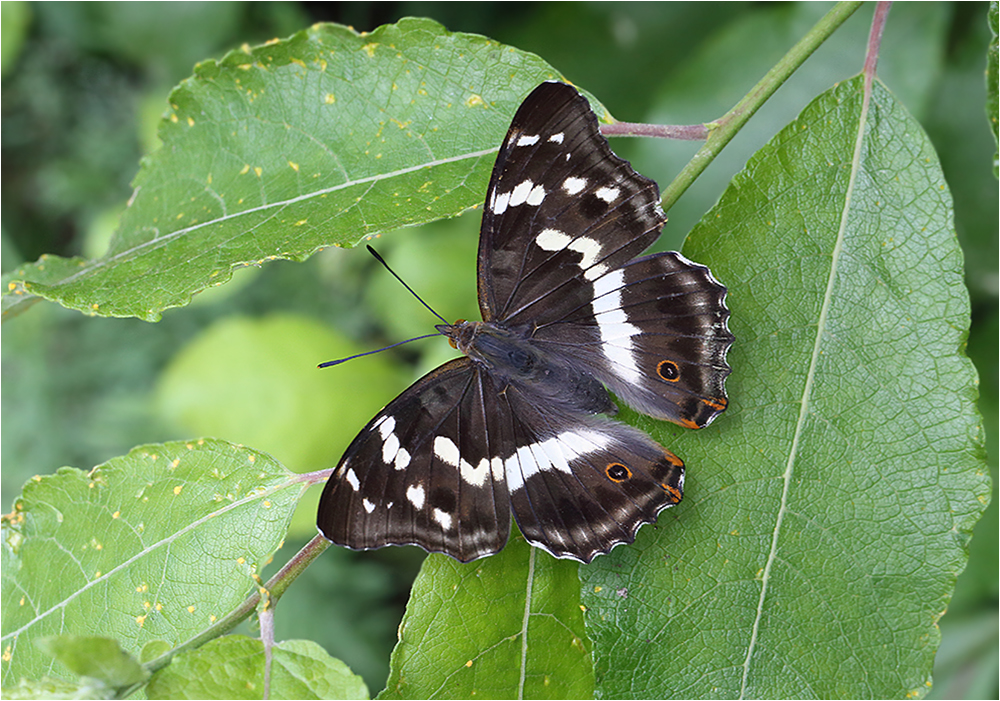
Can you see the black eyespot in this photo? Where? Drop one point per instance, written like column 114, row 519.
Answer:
column 617, row 472
column 668, row 370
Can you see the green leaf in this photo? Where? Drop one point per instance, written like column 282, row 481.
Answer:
column 155, row 545
column 827, row 513
column 255, row 381
column 322, row 139
column 54, row 689
column 98, row 658
column 232, row 667
column 507, row 626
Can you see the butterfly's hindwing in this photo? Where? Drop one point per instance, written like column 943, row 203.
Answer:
column 655, row 331
column 423, row 472
column 579, row 485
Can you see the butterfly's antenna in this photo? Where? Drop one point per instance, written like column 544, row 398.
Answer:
column 330, row 363
column 381, row 260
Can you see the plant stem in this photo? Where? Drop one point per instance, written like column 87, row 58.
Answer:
column 721, row 131
column 276, row 586
column 875, row 42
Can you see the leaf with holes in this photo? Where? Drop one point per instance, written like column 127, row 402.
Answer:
column 507, row 626
column 827, row 512
column 152, row 546
column 322, row 139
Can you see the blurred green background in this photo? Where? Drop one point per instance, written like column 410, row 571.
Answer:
column 84, row 85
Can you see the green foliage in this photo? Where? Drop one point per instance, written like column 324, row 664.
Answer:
column 827, row 514
column 805, row 535
column 531, row 643
column 319, row 140
column 232, row 667
column 176, row 535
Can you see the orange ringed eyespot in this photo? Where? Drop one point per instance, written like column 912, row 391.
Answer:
column 617, row 472
column 668, row 370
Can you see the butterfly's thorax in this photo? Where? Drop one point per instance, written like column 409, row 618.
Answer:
column 510, row 357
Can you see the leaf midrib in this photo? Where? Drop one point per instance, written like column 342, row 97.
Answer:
column 808, row 385
column 160, row 241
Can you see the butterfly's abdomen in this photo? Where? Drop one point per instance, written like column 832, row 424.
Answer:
column 512, row 358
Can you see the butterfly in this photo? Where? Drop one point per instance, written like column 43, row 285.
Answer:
column 521, row 423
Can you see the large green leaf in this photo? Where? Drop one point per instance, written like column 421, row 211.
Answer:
column 272, row 153
column 152, row 546
column 502, row 627
column 827, row 513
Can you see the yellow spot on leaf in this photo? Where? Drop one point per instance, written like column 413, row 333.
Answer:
column 116, row 514
column 474, row 101
column 177, row 489
column 7, row 654
column 370, row 49
column 301, row 222
column 211, row 618
column 190, row 609
column 295, row 166
column 330, row 98
column 258, row 170
column 245, row 170
column 190, row 122
column 469, row 663
column 241, row 560
column 140, row 620
column 173, row 118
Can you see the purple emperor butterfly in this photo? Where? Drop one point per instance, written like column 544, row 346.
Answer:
column 519, row 424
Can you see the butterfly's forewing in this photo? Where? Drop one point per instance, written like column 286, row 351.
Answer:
column 424, row 472
column 564, row 216
column 561, row 210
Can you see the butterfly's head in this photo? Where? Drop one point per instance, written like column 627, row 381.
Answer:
column 460, row 334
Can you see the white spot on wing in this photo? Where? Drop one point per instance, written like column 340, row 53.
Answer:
column 553, row 453
column 446, row 449
column 608, row 194
column 369, row 506
column 590, row 249
column 552, row 240
column 352, row 479
column 556, row 138
column 519, row 194
column 390, row 448
column 536, row 196
column 385, row 426
column 500, row 202
column 612, row 322
column 573, row 185
column 527, row 140
column 442, row 517
column 402, row 459
column 415, row 493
